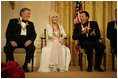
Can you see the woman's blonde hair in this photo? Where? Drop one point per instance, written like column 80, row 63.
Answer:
column 53, row 13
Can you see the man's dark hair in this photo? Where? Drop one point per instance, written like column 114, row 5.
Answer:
column 23, row 9
column 86, row 13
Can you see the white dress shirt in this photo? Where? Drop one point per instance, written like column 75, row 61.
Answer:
column 23, row 32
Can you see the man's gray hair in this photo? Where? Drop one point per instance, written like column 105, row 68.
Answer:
column 23, row 9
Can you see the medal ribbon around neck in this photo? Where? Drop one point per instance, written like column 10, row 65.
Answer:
column 22, row 25
column 58, row 29
column 87, row 26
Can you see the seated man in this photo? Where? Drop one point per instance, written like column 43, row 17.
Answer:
column 112, row 33
column 88, row 34
column 20, row 34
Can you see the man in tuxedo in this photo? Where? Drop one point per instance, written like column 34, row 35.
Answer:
column 20, row 33
column 88, row 35
column 112, row 33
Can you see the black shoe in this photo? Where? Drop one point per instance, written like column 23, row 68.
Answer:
column 26, row 69
column 99, row 69
column 89, row 69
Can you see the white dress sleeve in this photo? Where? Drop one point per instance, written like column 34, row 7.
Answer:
column 50, row 32
column 62, row 31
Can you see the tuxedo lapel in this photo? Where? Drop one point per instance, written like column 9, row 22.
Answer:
column 27, row 25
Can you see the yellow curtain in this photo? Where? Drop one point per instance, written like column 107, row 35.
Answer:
column 100, row 11
column 65, row 10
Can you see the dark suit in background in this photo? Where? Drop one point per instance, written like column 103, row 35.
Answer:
column 13, row 34
column 112, row 35
column 90, row 42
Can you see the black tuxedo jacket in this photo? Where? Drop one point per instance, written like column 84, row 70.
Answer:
column 14, row 30
column 111, row 31
column 77, row 34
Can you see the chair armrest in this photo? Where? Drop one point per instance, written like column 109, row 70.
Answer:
column 42, row 38
column 66, row 40
column 102, row 40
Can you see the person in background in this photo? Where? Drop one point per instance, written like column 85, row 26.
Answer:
column 112, row 33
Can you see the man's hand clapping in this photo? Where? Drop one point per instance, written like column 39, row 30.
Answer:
column 93, row 33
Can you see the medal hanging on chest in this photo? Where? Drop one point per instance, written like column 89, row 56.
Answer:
column 23, row 27
column 83, row 28
column 57, row 34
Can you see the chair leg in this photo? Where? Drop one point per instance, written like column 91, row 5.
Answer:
column 81, row 62
column 104, row 61
column 113, row 62
column 32, row 62
column 7, row 59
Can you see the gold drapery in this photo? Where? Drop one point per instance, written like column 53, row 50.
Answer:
column 100, row 11
column 65, row 10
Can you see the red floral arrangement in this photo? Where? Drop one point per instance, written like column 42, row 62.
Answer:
column 11, row 70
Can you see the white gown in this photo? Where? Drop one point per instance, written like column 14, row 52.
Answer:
column 46, row 53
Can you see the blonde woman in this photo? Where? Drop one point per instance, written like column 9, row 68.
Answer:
column 55, row 57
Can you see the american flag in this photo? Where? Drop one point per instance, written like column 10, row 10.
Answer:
column 78, row 9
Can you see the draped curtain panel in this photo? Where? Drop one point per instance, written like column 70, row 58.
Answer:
column 66, row 9
column 100, row 11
